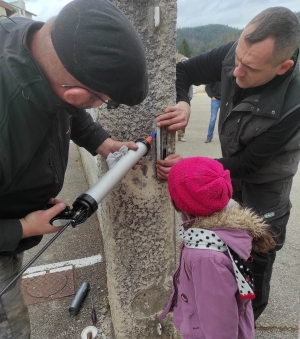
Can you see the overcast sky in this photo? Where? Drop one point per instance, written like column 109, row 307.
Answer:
column 191, row 13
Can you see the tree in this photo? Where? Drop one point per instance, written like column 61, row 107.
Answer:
column 184, row 49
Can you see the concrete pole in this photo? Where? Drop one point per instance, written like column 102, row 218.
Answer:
column 137, row 219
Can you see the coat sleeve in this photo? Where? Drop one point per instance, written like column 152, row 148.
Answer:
column 215, row 289
column 87, row 133
column 10, row 229
column 208, row 90
column 200, row 70
column 10, row 234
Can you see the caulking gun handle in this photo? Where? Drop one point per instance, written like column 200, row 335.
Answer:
column 63, row 217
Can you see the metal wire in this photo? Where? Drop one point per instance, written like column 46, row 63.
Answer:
column 35, row 257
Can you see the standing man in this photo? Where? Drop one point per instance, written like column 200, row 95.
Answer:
column 87, row 56
column 259, row 122
column 213, row 90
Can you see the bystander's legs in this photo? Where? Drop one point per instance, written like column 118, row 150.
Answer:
column 180, row 134
column 14, row 317
column 214, row 107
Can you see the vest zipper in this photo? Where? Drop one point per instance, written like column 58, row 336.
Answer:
column 229, row 112
column 57, row 155
column 231, row 108
column 238, row 128
column 52, row 167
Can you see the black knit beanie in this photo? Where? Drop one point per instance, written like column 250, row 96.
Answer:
column 99, row 47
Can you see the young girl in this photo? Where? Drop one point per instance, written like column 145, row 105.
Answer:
column 213, row 287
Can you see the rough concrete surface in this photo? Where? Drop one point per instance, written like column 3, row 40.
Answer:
column 136, row 219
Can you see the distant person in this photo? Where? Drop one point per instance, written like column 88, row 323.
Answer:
column 259, row 122
column 213, row 288
column 181, row 132
column 213, row 90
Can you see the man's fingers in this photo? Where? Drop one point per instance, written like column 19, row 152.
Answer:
column 170, row 109
column 55, row 201
column 169, row 161
column 131, row 145
column 56, row 209
column 173, row 124
column 166, row 116
column 169, row 117
column 173, row 121
column 163, row 166
column 162, row 175
column 175, row 127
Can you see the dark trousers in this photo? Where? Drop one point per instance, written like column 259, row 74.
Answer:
column 270, row 200
column 261, row 268
column 14, row 317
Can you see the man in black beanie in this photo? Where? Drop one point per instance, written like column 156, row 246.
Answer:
column 89, row 55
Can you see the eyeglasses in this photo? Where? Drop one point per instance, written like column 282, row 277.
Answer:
column 110, row 104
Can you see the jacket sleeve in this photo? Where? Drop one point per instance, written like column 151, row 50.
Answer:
column 87, row 133
column 200, row 70
column 10, row 229
column 263, row 148
column 208, row 90
column 215, row 289
column 10, row 234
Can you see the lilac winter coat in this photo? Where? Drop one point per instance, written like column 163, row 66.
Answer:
column 205, row 301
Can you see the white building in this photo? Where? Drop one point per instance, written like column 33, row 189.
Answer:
column 6, row 10
column 20, row 9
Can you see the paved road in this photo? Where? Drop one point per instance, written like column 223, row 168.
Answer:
column 281, row 318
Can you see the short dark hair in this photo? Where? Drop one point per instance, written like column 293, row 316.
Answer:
column 281, row 24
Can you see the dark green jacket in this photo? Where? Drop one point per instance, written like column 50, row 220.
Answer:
column 35, row 131
column 258, row 130
column 241, row 123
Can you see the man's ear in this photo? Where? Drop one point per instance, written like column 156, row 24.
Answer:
column 285, row 66
column 75, row 96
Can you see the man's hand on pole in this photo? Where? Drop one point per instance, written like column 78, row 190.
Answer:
column 175, row 117
column 163, row 166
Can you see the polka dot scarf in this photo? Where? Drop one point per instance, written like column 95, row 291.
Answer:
column 203, row 239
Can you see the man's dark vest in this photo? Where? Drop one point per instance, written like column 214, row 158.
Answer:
column 239, row 125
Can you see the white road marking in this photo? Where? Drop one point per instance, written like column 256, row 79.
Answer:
column 62, row 266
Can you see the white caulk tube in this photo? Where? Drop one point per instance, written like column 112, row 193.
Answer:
column 112, row 177
column 109, row 180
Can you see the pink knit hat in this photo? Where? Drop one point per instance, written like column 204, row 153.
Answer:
column 199, row 186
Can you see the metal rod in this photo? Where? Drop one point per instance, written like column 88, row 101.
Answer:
column 35, row 257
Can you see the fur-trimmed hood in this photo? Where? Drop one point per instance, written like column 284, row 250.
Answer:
column 236, row 217
column 240, row 228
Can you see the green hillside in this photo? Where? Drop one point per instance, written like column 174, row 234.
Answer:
column 204, row 38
